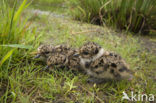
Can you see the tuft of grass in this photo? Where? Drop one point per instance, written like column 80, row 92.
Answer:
column 12, row 29
column 14, row 42
column 136, row 16
column 11, row 26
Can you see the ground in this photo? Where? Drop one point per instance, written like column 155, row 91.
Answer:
column 29, row 84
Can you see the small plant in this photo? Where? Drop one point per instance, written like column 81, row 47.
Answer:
column 69, row 85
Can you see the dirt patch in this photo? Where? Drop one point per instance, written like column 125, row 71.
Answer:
column 148, row 44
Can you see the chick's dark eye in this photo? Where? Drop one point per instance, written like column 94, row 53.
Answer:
column 85, row 53
column 96, row 51
column 46, row 52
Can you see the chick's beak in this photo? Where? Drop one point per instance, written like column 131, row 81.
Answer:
column 76, row 54
column 37, row 56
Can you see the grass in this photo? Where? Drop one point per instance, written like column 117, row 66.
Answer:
column 49, row 5
column 22, row 82
column 136, row 16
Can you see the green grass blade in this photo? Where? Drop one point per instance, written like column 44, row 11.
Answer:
column 28, row 4
column 21, row 8
column 12, row 17
column 6, row 57
column 18, row 46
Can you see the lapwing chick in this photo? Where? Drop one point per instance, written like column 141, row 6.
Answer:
column 44, row 51
column 90, row 51
column 57, row 60
column 103, row 65
column 109, row 67
column 61, row 60
column 73, row 61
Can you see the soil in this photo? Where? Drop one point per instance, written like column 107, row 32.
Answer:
column 148, row 44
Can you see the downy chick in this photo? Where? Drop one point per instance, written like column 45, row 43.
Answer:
column 57, row 59
column 73, row 62
column 102, row 65
column 64, row 60
column 90, row 51
column 44, row 51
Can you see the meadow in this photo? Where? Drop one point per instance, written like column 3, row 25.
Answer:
column 24, row 26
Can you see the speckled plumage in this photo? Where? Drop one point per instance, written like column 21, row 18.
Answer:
column 74, row 63
column 109, row 67
column 44, row 51
column 103, row 65
column 89, row 50
column 91, row 57
column 61, row 48
column 65, row 60
column 57, row 59
column 60, row 56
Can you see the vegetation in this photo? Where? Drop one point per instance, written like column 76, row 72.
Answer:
column 21, row 79
column 49, row 5
column 132, row 15
column 14, row 45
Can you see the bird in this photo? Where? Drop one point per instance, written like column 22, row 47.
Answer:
column 90, row 51
column 57, row 60
column 45, row 50
column 102, row 65
column 48, row 53
column 62, row 60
